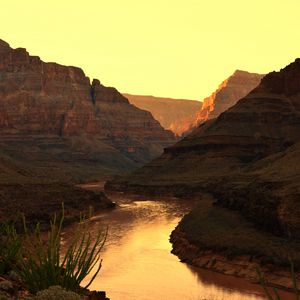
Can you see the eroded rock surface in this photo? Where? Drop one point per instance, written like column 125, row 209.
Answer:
column 229, row 92
column 48, row 99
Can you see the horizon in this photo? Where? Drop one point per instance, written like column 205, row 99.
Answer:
column 119, row 43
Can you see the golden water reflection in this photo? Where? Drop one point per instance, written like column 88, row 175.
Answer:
column 138, row 265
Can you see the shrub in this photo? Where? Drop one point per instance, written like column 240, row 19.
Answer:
column 10, row 245
column 43, row 264
column 57, row 293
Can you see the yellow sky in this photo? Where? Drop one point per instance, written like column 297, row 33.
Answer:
column 178, row 48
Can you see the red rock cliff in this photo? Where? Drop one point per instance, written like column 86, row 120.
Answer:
column 38, row 98
column 235, row 87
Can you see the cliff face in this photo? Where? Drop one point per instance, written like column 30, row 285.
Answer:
column 58, row 102
column 171, row 113
column 183, row 116
column 247, row 157
column 237, row 86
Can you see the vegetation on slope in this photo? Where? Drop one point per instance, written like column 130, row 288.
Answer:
column 39, row 262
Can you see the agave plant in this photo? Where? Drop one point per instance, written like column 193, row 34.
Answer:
column 10, row 245
column 43, row 264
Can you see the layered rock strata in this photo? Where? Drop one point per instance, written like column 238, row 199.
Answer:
column 228, row 93
column 171, row 113
column 46, row 99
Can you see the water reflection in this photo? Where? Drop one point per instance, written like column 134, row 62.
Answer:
column 138, row 265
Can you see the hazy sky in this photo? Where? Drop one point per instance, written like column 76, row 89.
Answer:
column 178, row 48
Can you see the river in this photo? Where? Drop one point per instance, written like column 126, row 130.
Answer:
column 138, row 265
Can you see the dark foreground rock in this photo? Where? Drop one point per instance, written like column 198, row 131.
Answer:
column 11, row 288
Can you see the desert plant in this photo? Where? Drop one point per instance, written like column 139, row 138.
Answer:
column 10, row 244
column 263, row 283
column 276, row 296
column 57, row 293
column 43, row 264
column 294, row 279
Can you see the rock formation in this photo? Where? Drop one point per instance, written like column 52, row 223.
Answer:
column 55, row 107
column 171, row 113
column 235, row 87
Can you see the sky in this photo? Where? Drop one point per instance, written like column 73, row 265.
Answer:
column 178, row 48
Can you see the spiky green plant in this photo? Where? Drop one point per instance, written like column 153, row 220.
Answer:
column 276, row 296
column 263, row 283
column 294, row 279
column 44, row 265
column 10, row 245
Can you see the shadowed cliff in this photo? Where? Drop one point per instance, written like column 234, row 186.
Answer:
column 54, row 112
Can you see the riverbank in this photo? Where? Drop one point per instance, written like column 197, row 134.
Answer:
column 38, row 202
column 220, row 240
column 243, row 266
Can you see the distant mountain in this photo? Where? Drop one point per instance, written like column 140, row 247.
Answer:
column 170, row 113
column 235, row 87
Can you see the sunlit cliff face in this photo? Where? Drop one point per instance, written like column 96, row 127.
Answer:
column 232, row 89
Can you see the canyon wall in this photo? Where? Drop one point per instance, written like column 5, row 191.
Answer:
column 228, row 93
column 57, row 110
column 171, row 113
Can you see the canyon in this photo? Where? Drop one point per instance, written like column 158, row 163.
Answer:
column 247, row 159
column 57, row 129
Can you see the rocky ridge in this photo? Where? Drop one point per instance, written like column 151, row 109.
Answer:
column 235, row 87
column 48, row 99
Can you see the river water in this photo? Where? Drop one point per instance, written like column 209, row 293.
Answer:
column 137, row 263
